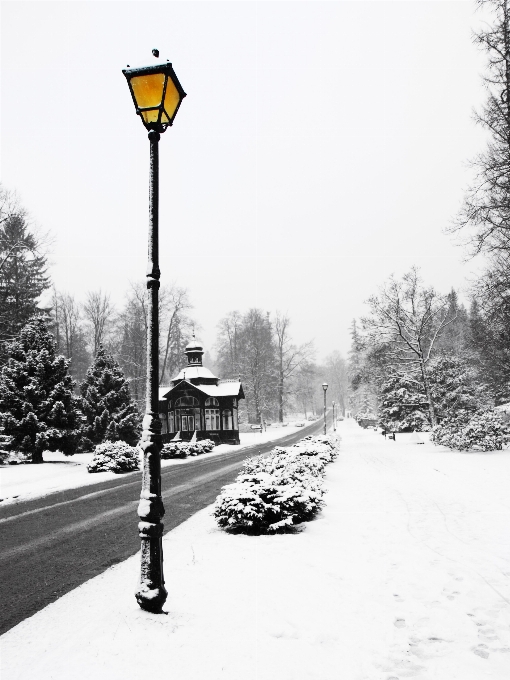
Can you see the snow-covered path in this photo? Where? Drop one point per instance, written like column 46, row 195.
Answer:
column 406, row 573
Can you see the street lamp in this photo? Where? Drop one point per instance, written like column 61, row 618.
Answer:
column 334, row 420
column 325, row 388
column 157, row 95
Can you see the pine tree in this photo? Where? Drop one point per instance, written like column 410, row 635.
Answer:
column 403, row 405
column 456, row 390
column 37, row 406
column 106, row 402
column 22, row 273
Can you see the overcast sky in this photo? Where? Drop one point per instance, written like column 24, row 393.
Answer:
column 322, row 147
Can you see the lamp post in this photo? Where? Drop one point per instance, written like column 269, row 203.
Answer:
column 157, row 95
column 325, row 388
column 334, row 418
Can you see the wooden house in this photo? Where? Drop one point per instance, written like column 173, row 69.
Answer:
column 198, row 401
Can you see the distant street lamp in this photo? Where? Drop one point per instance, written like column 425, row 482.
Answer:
column 325, row 388
column 334, row 417
column 157, row 95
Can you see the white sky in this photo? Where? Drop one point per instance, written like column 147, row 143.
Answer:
column 322, row 147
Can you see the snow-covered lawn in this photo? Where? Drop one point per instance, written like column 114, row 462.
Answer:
column 59, row 472
column 405, row 573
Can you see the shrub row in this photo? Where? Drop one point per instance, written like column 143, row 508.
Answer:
column 120, row 457
column 481, row 431
column 274, row 492
column 185, row 449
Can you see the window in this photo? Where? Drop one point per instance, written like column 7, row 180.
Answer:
column 236, row 421
column 186, row 401
column 171, row 422
column 211, row 401
column 212, row 418
column 227, row 419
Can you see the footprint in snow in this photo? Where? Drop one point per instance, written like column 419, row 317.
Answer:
column 481, row 650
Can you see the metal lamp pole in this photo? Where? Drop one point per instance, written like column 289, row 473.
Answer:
column 151, row 594
column 325, row 388
column 157, row 95
column 334, row 417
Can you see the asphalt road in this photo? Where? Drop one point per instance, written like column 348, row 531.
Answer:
column 51, row 545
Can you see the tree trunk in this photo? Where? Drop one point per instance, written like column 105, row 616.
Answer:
column 432, row 412
column 280, row 398
column 37, row 457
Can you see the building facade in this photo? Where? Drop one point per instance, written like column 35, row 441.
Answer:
column 198, row 401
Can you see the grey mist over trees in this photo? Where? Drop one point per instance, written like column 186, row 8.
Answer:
column 278, row 375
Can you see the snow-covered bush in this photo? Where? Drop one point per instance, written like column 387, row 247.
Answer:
column 263, row 503
column 185, row 449
column 274, row 492
column 483, row 431
column 115, row 457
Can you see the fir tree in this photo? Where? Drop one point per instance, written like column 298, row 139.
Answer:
column 22, row 273
column 110, row 412
column 403, row 405
column 456, row 390
column 37, row 406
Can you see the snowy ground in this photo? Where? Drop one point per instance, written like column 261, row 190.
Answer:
column 405, row 573
column 59, row 472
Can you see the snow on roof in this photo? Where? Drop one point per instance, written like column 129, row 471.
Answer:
column 225, row 389
column 194, row 372
column 162, row 392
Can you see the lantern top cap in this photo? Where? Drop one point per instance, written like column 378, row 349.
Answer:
column 157, row 66
column 325, row 385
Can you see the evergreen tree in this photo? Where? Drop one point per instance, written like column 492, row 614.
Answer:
column 456, row 390
column 106, row 403
column 37, row 406
column 22, row 273
column 403, row 405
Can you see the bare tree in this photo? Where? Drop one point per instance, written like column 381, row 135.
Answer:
column 486, row 208
column 176, row 327
column 69, row 332
column 337, row 377
column 99, row 312
column 289, row 357
column 405, row 322
column 229, row 329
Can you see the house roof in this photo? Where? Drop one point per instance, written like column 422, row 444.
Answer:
column 230, row 388
column 191, row 372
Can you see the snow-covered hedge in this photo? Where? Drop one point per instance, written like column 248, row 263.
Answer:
column 274, row 492
column 482, row 431
column 115, row 457
column 185, row 449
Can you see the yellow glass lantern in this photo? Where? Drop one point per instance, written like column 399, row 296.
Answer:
column 157, row 94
